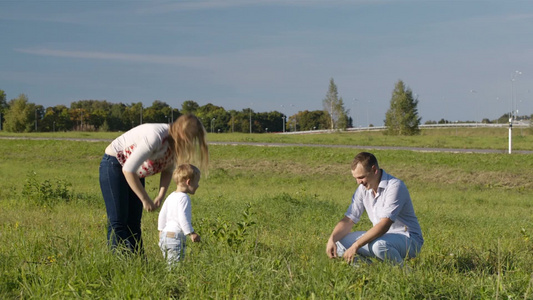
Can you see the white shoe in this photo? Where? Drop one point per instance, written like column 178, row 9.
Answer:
column 340, row 249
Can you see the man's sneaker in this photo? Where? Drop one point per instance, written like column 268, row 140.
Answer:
column 340, row 249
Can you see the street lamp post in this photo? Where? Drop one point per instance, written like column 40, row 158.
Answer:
column 295, row 118
column 367, row 121
column 283, row 122
column 250, row 120
column 331, row 114
column 513, row 93
column 212, row 120
column 473, row 92
column 512, row 112
column 355, row 112
column 510, row 134
column 498, row 102
column 232, row 124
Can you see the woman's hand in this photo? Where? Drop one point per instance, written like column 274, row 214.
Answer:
column 135, row 183
column 149, row 205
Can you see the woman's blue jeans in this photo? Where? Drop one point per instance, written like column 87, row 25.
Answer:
column 124, row 208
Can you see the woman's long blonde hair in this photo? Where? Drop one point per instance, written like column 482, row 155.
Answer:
column 188, row 141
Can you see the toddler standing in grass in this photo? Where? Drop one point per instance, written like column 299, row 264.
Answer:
column 174, row 222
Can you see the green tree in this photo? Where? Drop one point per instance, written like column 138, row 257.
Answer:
column 267, row 122
column 233, row 124
column 21, row 115
column 159, row 112
column 115, row 120
column 215, row 118
column 89, row 115
column 56, row 118
column 402, row 116
column 3, row 102
column 504, row 118
column 241, row 121
column 78, row 117
column 334, row 107
column 311, row 120
column 273, row 121
column 3, row 107
column 189, row 107
column 133, row 115
column 49, row 120
column 531, row 123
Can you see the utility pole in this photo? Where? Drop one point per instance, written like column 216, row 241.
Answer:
column 513, row 111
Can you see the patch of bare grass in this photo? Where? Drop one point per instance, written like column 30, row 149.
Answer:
column 279, row 167
column 460, row 177
column 440, row 175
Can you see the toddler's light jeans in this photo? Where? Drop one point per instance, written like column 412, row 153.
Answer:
column 172, row 246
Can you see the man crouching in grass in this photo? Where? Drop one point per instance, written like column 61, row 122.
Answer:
column 395, row 234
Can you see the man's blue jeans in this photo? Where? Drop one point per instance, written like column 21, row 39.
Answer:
column 124, row 208
column 391, row 247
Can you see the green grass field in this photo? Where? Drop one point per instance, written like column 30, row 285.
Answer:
column 475, row 211
column 458, row 138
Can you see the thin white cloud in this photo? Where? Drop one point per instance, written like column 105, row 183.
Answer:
column 127, row 57
column 165, row 7
column 252, row 67
column 248, row 56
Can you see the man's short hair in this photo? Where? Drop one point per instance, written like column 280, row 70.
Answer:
column 184, row 172
column 366, row 159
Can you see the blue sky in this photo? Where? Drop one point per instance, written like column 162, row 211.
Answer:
column 460, row 57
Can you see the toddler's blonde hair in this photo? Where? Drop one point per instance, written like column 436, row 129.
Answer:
column 184, row 172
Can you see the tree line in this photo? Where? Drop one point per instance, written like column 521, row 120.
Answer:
column 20, row 115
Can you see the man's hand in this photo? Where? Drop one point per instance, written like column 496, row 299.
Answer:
column 350, row 253
column 341, row 230
column 331, row 249
column 194, row 237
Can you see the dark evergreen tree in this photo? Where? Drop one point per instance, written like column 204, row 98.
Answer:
column 402, row 116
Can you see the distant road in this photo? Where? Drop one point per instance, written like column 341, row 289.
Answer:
column 418, row 149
